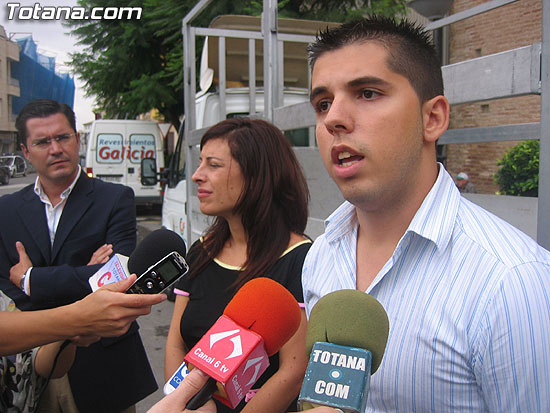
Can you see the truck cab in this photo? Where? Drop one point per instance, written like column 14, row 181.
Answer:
column 229, row 90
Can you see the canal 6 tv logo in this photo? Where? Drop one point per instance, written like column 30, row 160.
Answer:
column 233, row 356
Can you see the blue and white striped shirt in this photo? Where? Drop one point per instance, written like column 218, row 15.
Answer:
column 468, row 300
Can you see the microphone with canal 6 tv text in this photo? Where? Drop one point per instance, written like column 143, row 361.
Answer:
column 262, row 316
column 346, row 338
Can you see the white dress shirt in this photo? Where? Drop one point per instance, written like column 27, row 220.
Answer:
column 53, row 215
column 468, row 300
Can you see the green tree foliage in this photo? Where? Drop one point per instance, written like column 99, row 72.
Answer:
column 519, row 172
column 133, row 66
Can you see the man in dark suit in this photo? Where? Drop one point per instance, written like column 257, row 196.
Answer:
column 48, row 234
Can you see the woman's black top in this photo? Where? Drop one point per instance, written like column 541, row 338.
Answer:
column 210, row 292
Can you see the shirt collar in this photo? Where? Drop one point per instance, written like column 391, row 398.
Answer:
column 340, row 222
column 432, row 220
column 39, row 190
column 435, row 218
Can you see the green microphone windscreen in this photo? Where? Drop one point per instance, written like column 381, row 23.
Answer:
column 350, row 318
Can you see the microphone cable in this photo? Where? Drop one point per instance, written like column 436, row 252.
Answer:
column 61, row 348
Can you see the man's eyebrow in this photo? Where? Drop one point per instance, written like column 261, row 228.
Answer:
column 368, row 80
column 315, row 92
column 360, row 81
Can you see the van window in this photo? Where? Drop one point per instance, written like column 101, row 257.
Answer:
column 141, row 146
column 297, row 137
column 109, row 148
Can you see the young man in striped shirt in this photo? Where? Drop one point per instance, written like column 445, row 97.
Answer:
column 467, row 295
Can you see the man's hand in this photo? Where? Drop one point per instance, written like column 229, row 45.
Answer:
column 176, row 401
column 18, row 270
column 109, row 311
column 101, row 255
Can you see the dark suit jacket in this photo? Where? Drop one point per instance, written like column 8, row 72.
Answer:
column 114, row 373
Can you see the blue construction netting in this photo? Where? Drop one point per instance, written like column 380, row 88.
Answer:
column 38, row 79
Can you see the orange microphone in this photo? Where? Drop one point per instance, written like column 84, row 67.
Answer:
column 267, row 308
column 262, row 316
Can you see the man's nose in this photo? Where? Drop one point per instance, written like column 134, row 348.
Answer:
column 55, row 147
column 339, row 116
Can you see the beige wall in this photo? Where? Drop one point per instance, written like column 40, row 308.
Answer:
column 508, row 27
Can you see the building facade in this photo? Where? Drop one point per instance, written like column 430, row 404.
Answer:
column 508, row 27
column 38, row 78
column 9, row 88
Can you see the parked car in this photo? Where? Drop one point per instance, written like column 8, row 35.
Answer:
column 4, row 175
column 15, row 163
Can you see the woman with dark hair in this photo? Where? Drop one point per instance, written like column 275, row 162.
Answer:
column 250, row 180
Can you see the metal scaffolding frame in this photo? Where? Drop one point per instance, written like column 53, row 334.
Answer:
column 521, row 71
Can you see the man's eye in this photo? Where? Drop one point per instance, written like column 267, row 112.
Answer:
column 42, row 142
column 62, row 138
column 323, row 106
column 370, row 94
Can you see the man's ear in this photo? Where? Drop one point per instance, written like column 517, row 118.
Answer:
column 25, row 151
column 435, row 117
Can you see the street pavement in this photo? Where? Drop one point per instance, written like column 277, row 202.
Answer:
column 154, row 327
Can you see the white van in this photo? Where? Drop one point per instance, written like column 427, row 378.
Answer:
column 114, row 152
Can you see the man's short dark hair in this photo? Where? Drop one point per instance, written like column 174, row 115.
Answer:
column 410, row 51
column 41, row 108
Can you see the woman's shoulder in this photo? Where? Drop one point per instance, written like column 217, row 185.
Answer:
column 194, row 251
column 293, row 257
column 288, row 268
column 297, row 244
column 297, row 238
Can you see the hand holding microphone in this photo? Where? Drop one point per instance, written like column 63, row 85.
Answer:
column 108, row 312
column 346, row 338
column 176, row 401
